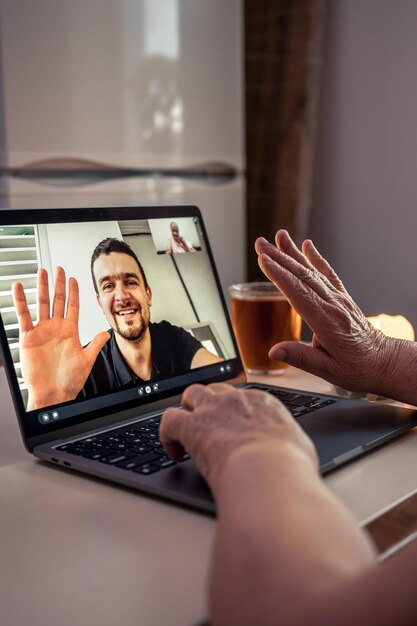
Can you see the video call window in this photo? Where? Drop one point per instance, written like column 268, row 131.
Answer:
column 177, row 305
column 175, row 236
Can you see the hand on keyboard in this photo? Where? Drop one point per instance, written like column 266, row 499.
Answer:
column 217, row 421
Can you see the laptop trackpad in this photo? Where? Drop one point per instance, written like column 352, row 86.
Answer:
column 334, row 440
column 364, row 415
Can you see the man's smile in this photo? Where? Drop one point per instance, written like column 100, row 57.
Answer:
column 126, row 313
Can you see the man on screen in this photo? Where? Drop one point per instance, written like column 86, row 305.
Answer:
column 55, row 366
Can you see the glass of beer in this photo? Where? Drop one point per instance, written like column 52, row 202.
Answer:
column 262, row 317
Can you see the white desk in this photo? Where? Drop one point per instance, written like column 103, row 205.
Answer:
column 74, row 550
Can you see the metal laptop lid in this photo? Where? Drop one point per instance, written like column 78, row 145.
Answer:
column 185, row 293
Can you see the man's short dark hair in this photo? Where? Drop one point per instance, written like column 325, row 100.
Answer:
column 109, row 245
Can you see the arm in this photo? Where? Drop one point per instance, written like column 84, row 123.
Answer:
column 204, row 357
column 55, row 366
column 283, row 539
column 346, row 349
column 295, row 555
column 286, row 550
column 186, row 245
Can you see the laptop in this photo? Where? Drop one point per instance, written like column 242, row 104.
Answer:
column 108, row 428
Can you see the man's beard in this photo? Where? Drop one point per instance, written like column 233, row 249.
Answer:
column 135, row 332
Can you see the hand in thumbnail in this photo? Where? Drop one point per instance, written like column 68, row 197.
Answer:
column 55, row 366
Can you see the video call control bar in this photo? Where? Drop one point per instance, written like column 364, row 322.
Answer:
column 49, row 416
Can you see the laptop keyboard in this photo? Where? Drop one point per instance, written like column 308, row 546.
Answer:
column 298, row 404
column 137, row 447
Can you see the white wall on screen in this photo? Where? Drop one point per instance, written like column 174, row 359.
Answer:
column 71, row 247
column 197, row 275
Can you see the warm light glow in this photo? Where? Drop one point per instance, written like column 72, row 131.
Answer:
column 396, row 326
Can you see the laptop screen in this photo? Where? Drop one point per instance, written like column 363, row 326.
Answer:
column 107, row 309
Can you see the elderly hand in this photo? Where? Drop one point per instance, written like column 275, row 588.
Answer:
column 219, row 421
column 346, row 349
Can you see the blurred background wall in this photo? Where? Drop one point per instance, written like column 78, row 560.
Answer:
column 331, row 138
column 283, row 47
column 327, row 100
column 364, row 211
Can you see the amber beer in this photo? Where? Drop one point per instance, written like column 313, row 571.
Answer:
column 262, row 317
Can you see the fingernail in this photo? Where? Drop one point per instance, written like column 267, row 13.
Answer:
column 279, row 355
column 260, row 243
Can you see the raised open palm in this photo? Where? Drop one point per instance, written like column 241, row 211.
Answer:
column 55, row 366
column 346, row 349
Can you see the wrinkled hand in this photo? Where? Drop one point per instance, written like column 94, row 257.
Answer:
column 346, row 349
column 55, row 366
column 218, row 421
